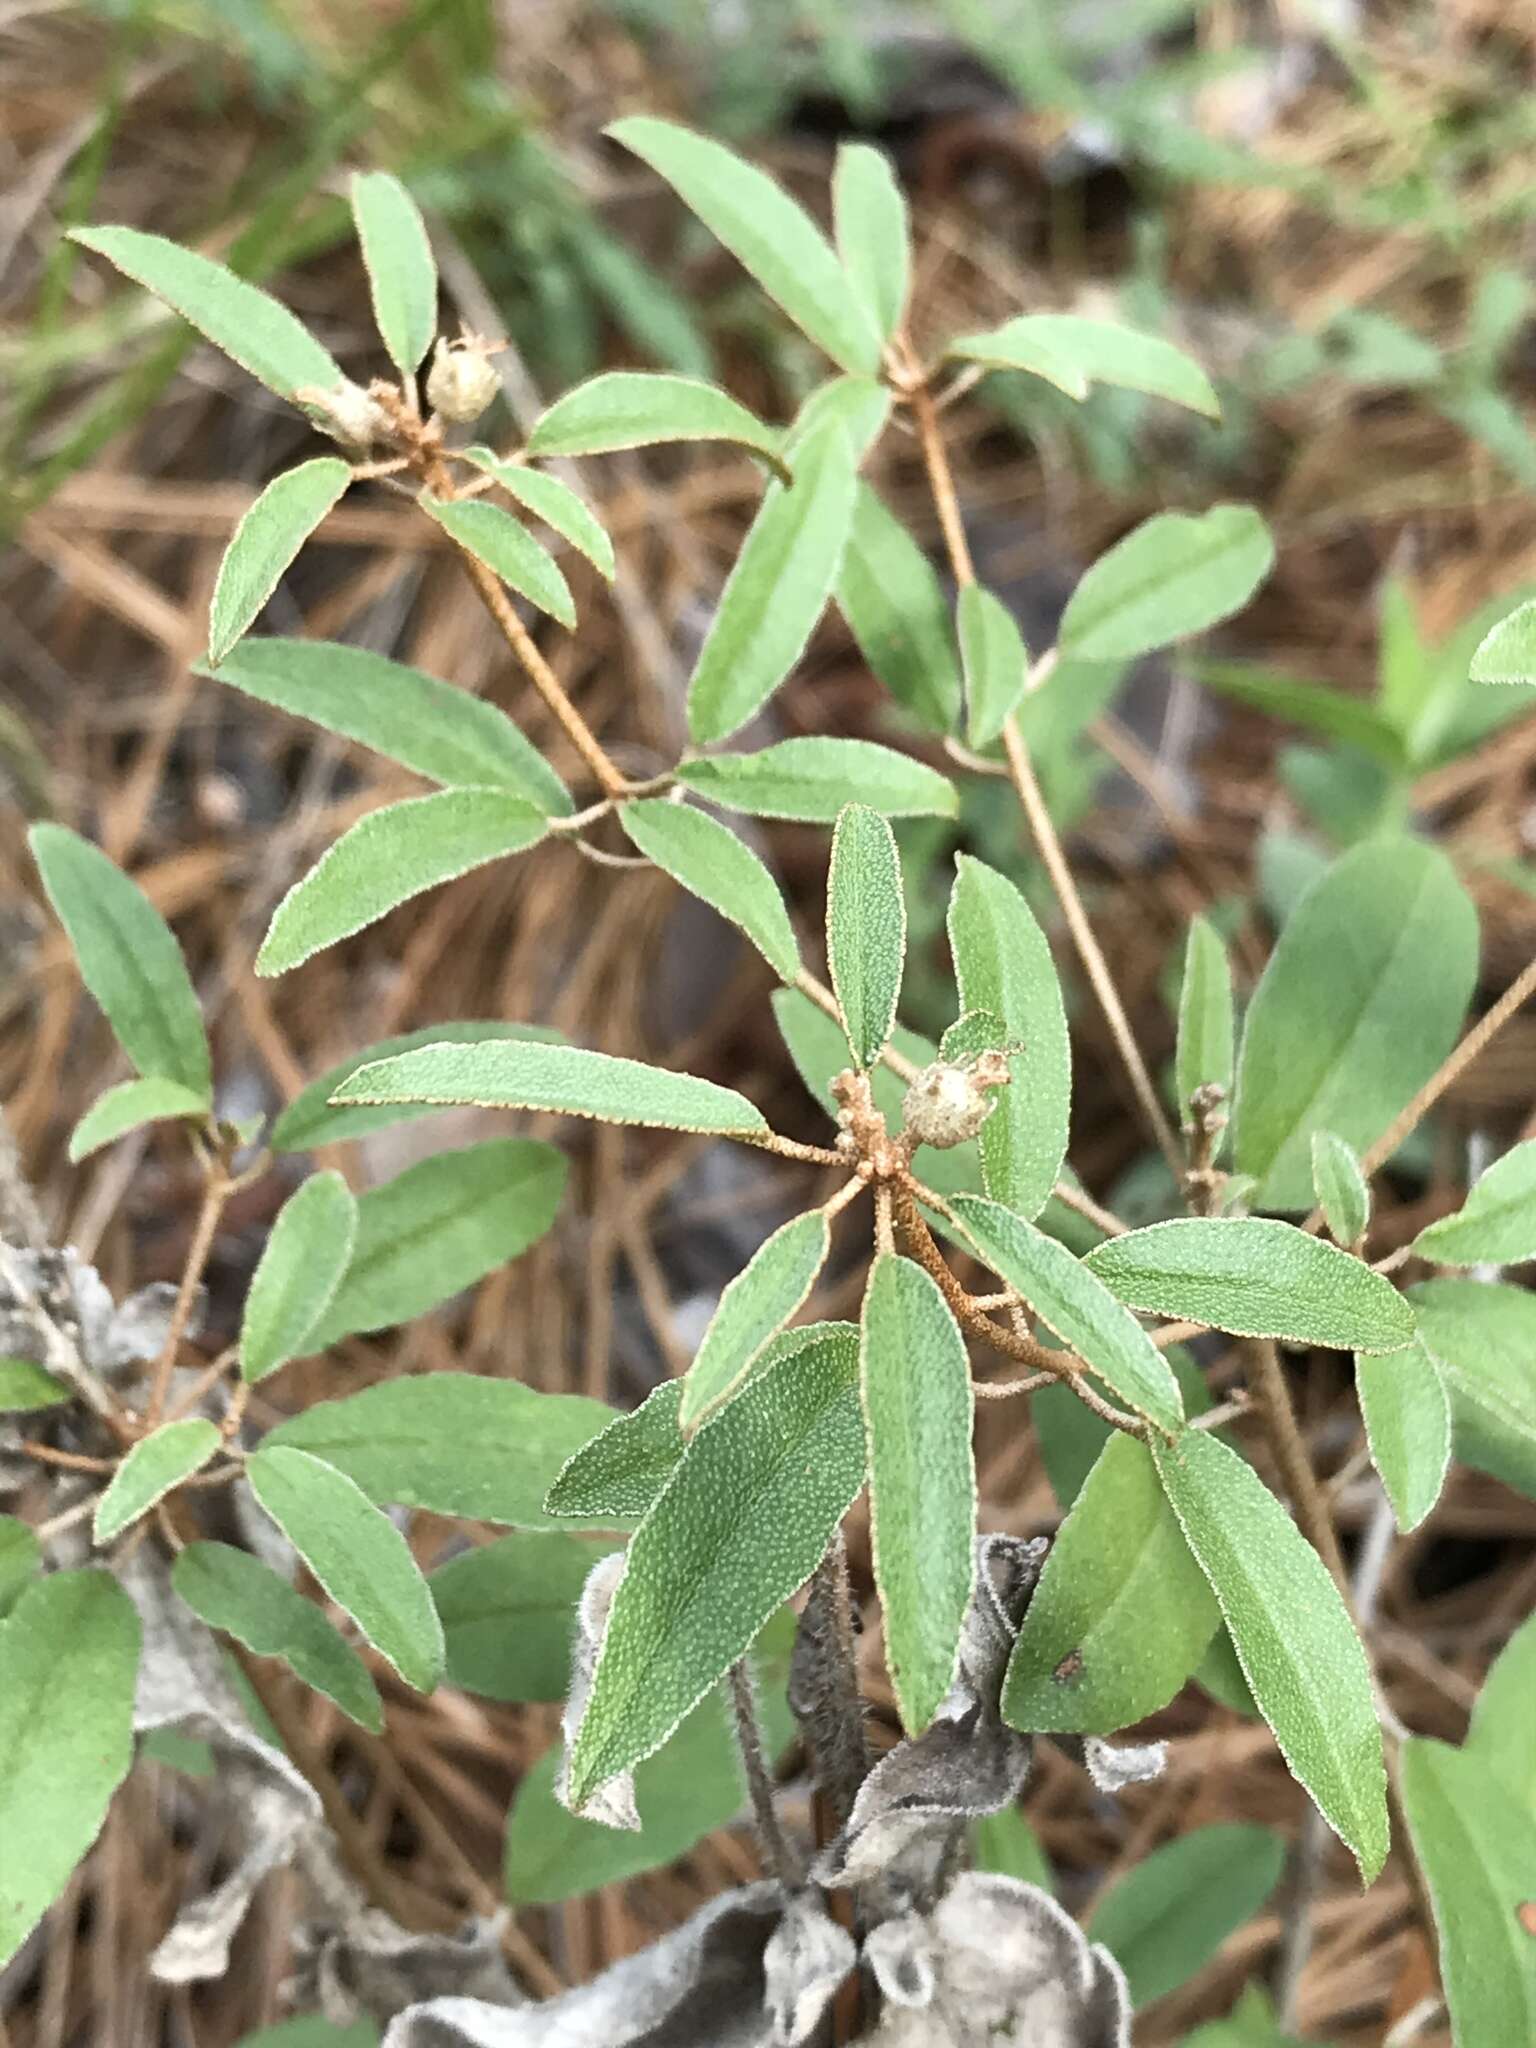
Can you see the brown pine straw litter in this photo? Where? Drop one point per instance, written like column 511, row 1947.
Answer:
column 217, row 805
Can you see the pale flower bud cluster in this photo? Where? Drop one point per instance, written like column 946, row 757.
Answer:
column 347, row 412
column 947, row 1104
column 462, row 382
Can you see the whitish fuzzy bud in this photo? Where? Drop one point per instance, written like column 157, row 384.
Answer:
column 461, row 382
column 348, row 413
column 945, row 1105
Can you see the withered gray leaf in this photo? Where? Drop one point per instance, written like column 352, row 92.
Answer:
column 370, row 1967
column 807, row 1958
column 1112, row 1766
column 899, row 1953
column 612, row 1803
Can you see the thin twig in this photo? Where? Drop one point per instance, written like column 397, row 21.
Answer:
column 216, row 1193
column 781, row 1858
column 1272, row 1398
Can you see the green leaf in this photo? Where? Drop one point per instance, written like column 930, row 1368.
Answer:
column 1503, row 1730
column 690, row 1787
column 450, row 1442
column 1173, row 576
column 157, row 1464
column 1221, row 1675
column 1343, row 1193
column 1122, row 1614
column 891, row 596
column 235, row 1592
column 438, row 731
column 767, row 232
column 265, row 544
column 564, row 1078
column 712, row 863
column 402, row 276
column 742, row 1524
column 21, row 1558
column 870, row 221
column 1106, row 353
column 25, row 1387
column 439, row 1227
column 1003, row 964
column 1363, row 997
column 1206, row 1024
column 70, row 1652
column 307, row 1252
column 1165, row 1919
column 753, row 1310
column 635, row 408
column 313, row 2031
column 777, row 589
column 1507, row 654
column 1256, row 1277
column 553, row 502
column 809, row 779
column 249, row 326
column 356, row 1553
column 861, row 406
column 1294, row 1639
column 1250, row 2024
column 506, row 548
column 1407, row 1416
column 1006, row 1843
column 129, row 1106
column 614, row 1476
column 1078, row 1307
column 1071, row 1436
column 1496, row 1224
column 388, row 857
column 1477, row 1849
column 1015, row 346
column 1482, row 1336
column 508, row 1611
column 866, row 929
column 915, row 1383
column 309, row 1121
column 995, row 660
column 128, row 959
column 1317, row 706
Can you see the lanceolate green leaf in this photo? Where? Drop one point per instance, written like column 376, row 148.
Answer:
column 1078, row 1306
column 356, row 1553
column 129, row 1106
column 742, row 1523
column 860, row 406
column 1014, row 346
column 1003, row 964
column 70, row 1651
column 1482, row 1336
column 995, row 660
column 439, row 1227
column 1294, row 1639
column 1363, row 997
column 1407, row 1416
column 1097, row 351
column 258, row 333
column 870, row 220
column 156, row 1464
column 866, row 929
column 307, row 1252
column 810, row 779
column 508, row 1613
column 712, row 863
column 265, row 543
column 1477, row 1848
column 775, row 594
column 1496, row 1224
column 390, row 856
column 1507, row 654
column 634, row 408
column 915, row 1382
column 1343, row 1193
column 451, row 1442
column 1256, row 1277
column 553, row 502
column 1122, row 1614
column 1206, row 1024
column 891, row 596
column 753, row 1309
column 310, row 1121
column 565, row 1078
column 128, row 959
column 767, row 232
column 402, row 277
column 1166, row 1918
column 616, row 1474
column 25, row 1388
column 233, row 1591
column 1503, row 1730
column 442, row 733
column 508, row 549
column 1173, row 576
column 21, row 1557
